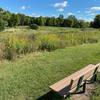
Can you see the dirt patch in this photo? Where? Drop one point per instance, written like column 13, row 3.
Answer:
column 84, row 96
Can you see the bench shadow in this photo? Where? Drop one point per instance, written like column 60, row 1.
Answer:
column 50, row 96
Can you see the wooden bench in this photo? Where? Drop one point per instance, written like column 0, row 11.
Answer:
column 74, row 82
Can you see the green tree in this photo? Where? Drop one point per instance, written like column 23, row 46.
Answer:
column 21, row 19
column 60, row 20
column 5, row 16
column 72, row 21
column 65, row 23
column 83, row 24
column 51, row 21
column 96, row 22
column 32, row 20
column 47, row 21
column 41, row 21
column 27, row 20
column 14, row 20
column 2, row 24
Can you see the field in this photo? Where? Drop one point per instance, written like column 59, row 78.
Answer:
column 29, row 76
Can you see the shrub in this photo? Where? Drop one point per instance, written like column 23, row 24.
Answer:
column 34, row 26
column 9, row 53
column 2, row 46
column 6, row 52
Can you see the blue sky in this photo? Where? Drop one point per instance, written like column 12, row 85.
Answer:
column 82, row 9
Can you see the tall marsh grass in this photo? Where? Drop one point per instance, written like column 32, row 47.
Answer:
column 51, row 42
column 14, row 42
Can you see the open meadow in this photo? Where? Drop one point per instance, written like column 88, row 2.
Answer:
column 32, row 60
column 49, row 49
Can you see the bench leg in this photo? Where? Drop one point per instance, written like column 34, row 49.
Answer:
column 84, row 87
column 79, row 84
column 81, row 89
column 66, row 95
column 93, row 79
column 94, row 75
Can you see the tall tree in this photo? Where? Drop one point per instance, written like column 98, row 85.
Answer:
column 83, row 24
column 14, row 20
column 21, row 19
column 41, row 21
column 2, row 25
column 72, row 21
column 96, row 22
column 60, row 20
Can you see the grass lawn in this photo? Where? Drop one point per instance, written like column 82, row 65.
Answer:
column 28, row 78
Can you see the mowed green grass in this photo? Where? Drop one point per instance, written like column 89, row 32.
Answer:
column 29, row 78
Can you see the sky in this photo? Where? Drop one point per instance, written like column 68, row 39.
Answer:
column 82, row 9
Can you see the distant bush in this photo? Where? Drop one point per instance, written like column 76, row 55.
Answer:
column 34, row 26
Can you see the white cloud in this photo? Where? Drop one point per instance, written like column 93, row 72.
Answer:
column 25, row 7
column 61, row 6
column 92, row 14
column 95, row 9
column 92, row 10
column 60, row 9
column 79, row 11
column 85, row 18
column 88, row 19
column 88, row 11
column 80, row 18
column 7, row 8
column 35, row 15
column 70, row 13
column 53, row 15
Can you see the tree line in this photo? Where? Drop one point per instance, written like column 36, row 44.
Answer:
column 8, row 19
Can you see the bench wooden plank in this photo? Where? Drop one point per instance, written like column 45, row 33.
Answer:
column 60, row 85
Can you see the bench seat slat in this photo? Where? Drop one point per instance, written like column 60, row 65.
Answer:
column 66, row 81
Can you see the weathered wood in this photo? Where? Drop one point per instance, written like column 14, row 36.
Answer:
column 71, row 83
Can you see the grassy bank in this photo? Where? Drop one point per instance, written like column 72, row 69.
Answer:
column 28, row 78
